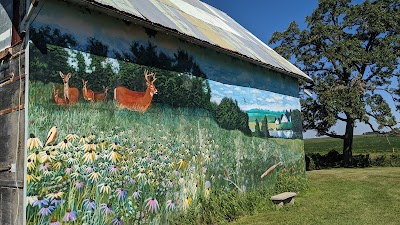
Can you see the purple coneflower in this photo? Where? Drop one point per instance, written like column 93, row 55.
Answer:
column 57, row 201
column 41, row 201
column 54, row 222
column 113, row 169
column 170, row 205
column 117, row 221
column 152, row 205
column 70, row 215
column 46, row 210
column 204, row 169
column 89, row 169
column 89, row 204
column 79, row 184
column 176, row 172
column 121, row 193
column 132, row 180
column 68, row 170
column 136, row 194
column 45, row 167
column 107, row 209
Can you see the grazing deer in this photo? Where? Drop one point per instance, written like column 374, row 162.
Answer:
column 88, row 94
column 99, row 97
column 57, row 100
column 134, row 100
column 71, row 95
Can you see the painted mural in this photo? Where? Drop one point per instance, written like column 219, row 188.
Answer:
column 134, row 130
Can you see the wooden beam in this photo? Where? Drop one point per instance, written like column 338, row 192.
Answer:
column 11, row 109
column 12, row 80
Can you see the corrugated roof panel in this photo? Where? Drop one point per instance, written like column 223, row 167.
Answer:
column 122, row 5
column 205, row 23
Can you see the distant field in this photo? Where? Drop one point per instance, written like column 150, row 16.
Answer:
column 362, row 144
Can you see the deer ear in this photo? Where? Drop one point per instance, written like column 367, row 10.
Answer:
column 69, row 75
column 61, row 74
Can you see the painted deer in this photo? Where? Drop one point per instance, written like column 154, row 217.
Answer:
column 134, row 100
column 57, row 99
column 71, row 95
column 99, row 97
column 88, row 94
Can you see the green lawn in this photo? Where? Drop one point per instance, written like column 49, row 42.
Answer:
column 341, row 196
column 362, row 144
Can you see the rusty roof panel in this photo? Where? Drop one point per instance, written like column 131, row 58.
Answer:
column 205, row 23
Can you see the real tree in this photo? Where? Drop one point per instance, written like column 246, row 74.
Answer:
column 351, row 51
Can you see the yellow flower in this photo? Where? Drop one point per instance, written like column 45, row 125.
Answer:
column 207, row 192
column 89, row 146
column 115, row 146
column 45, row 156
column 83, row 139
column 72, row 137
column 31, row 199
column 114, row 156
column 34, row 157
column 57, row 165
column 72, row 160
column 89, row 157
column 57, row 194
column 30, row 177
column 92, row 136
column 64, row 144
column 141, row 176
column 30, row 165
column 33, row 142
column 102, row 145
column 186, row 203
column 104, row 188
column 94, row 176
column 59, row 179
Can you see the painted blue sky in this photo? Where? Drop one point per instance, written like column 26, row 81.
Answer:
column 250, row 98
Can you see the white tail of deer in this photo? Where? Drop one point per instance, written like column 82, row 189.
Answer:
column 134, row 100
column 71, row 95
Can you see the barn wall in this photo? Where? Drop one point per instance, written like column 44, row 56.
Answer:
column 214, row 124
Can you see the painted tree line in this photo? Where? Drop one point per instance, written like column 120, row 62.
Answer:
column 180, row 81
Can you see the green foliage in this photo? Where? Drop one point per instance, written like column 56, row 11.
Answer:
column 351, row 51
column 264, row 127
column 229, row 116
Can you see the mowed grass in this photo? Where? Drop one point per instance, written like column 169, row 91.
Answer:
column 341, row 196
column 362, row 144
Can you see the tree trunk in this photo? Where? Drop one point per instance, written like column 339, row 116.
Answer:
column 348, row 144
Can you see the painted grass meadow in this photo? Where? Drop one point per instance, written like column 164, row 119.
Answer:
column 110, row 166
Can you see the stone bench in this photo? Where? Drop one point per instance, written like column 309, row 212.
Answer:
column 283, row 198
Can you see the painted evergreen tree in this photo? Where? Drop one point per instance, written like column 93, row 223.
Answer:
column 352, row 52
column 264, row 127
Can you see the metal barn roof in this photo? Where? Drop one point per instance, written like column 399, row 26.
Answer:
column 204, row 24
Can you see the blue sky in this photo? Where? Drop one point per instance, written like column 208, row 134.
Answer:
column 245, row 97
column 263, row 18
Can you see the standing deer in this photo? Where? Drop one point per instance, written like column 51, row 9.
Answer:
column 71, row 95
column 57, row 100
column 99, row 97
column 88, row 94
column 134, row 100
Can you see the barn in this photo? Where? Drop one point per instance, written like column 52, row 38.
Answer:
column 136, row 111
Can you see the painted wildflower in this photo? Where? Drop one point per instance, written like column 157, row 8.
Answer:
column 57, row 201
column 117, row 221
column 152, row 205
column 46, row 210
column 113, row 169
column 114, row 156
column 136, row 194
column 57, row 194
column 70, row 215
column 64, row 145
column 30, row 200
column 45, row 156
column 57, row 165
column 89, row 156
column 186, row 203
column 41, row 201
column 83, row 140
column 30, row 177
column 107, row 209
column 170, row 205
column 72, row 137
column 89, row 204
column 94, row 176
column 207, row 184
column 33, row 142
column 104, row 188
column 54, row 222
column 79, row 184
column 35, row 156
column 121, row 193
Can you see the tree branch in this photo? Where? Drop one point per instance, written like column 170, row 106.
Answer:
column 333, row 135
